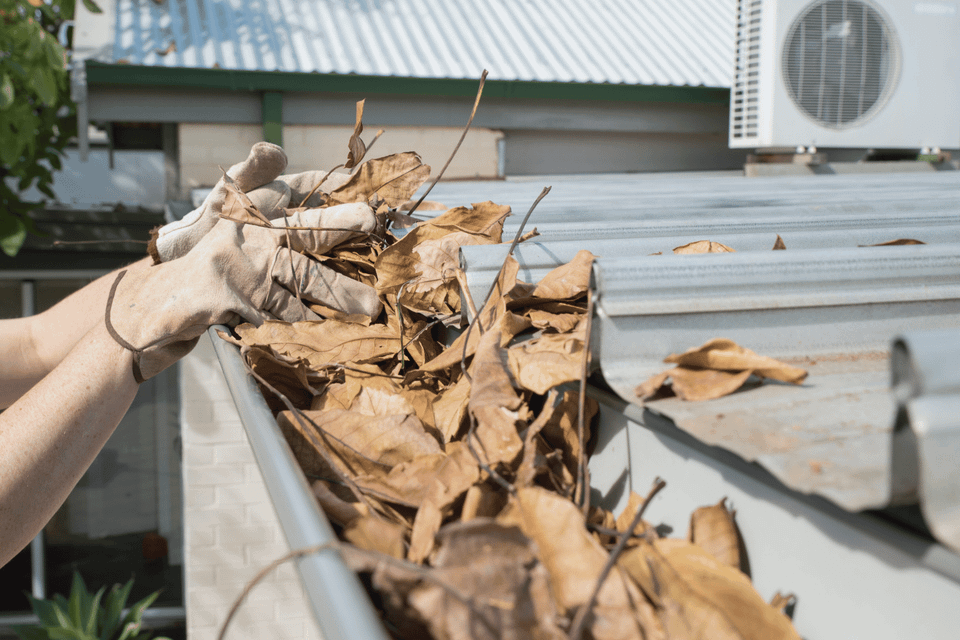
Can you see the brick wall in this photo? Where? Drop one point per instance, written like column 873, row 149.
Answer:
column 231, row 529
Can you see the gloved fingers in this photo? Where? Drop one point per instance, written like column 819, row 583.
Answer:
column 283, row 305
column 318, row 283
column 271, row 198
column 265, row 162
column 302, row 184
column 329, row 227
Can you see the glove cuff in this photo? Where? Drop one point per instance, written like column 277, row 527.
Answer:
column 152, row 250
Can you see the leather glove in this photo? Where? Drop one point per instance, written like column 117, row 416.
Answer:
column 236, row 273
column 259, row 178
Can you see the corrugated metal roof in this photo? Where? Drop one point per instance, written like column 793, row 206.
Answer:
column 679, row 43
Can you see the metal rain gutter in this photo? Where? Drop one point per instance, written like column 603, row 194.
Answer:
column 338, row 600
column 833, row 312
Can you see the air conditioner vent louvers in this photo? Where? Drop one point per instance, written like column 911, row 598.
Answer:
column 840, row 62
column 746, row 77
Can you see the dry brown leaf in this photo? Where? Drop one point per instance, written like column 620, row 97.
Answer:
column 406, row 483
column 323, row 343
column 703, row 246
column 482, row 501
column 568, row 281
column 714, row 529
column 492, row 569
column 694, row 384
column 560, row 431
column 892, row 243
column 726, row 355
column 548, row 361
column 355, row 147
column 392, row 178
column 697, row 596
column 421, row 267
column 376, row 534
column 340, row 395
column 458, row 473
column 237, row 206
column 559, row 322
column 494, row 404
column 574, row 559
column 489, row 317
column 634, row 502
column 365, row 444
column 337, row 509
column 779, row 245
column 450, row 408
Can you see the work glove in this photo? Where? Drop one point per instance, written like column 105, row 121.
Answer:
column 259, row 177
column 237, row 272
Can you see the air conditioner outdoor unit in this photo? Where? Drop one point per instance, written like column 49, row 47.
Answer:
column 846, row 73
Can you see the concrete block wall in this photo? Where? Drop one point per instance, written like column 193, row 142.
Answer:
column 205, row 146
column 231, row 530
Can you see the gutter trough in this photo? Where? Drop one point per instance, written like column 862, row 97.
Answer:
column 845, row 487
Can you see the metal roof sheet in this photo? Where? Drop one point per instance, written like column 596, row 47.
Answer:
column 680, row 43
column 826, row 303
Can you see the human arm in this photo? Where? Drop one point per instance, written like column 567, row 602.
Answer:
column 152, row 317
column 32, row 347
column 50, row 436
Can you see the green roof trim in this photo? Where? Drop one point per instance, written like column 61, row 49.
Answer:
column 102, row 74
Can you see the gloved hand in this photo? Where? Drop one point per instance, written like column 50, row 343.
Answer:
column 259, row 178
column 236, row 272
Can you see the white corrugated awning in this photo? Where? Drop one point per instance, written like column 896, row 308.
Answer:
column 682, row 43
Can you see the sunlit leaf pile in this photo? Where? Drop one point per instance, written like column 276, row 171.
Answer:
column 452, row 455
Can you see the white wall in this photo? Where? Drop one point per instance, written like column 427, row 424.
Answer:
column 231, row 529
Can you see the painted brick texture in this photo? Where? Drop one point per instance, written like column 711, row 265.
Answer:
column 231, row 529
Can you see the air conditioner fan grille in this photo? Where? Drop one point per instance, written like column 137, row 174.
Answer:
column 841, row 61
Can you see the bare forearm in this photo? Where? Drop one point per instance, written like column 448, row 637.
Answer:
column 50, row 436
column 31, row 347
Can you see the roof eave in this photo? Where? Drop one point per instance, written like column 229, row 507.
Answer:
column 103, row 74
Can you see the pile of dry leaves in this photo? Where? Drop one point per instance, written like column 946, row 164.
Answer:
column 453, row 459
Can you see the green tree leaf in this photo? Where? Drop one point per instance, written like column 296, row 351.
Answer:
column 7, row 92
column 13, row 233
column 92, row 6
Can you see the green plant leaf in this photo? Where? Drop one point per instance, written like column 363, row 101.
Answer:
column 92, row 6
column 45, row 84
column 7, row 92
column 113, row 608
column 13, row 233
column 135, row 614
column 94, row 614
column 30, row 633
column 77, row 602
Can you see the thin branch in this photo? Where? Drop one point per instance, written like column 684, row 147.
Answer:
column 296, row 553
column 58, row 243
column 322, row 180
column 476, row 103
column 580, row 620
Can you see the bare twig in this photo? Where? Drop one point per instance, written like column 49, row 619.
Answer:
column 580, row 620
column 582, row 494
column 476, row 103
column 58, row 243
column 322, row 180
column 296, row 553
